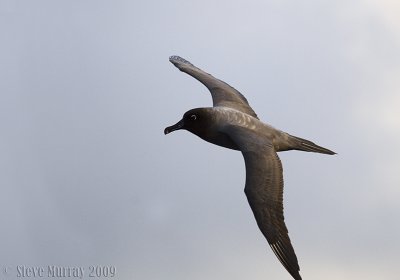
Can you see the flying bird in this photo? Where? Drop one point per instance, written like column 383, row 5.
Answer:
column 233, row 124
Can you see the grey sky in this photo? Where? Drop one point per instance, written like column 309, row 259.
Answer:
column 88, row 178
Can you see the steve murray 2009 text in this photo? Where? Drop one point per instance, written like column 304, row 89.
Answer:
column 54, row 271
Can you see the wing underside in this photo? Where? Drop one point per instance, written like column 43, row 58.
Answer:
column 264, row 191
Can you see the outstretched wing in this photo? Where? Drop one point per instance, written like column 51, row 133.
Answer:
column 222, row 93
column 264, row 191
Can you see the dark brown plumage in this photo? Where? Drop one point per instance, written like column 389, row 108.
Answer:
column 232, row 123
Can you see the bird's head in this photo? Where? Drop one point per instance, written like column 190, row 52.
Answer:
column 196, row 121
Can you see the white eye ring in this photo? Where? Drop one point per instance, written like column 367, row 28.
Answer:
column 193, row 117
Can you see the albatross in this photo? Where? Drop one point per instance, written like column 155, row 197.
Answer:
column 233, row 124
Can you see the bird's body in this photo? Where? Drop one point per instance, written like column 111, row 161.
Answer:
column 232, row 123
column 223, row 119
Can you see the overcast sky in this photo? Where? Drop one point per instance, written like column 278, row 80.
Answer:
column 88, row 178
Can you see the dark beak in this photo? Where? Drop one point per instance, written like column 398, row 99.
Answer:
column 178, row 125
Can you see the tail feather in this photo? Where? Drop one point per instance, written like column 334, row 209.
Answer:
column 308, row 146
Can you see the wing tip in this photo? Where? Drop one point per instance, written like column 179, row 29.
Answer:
column 177, row 61
column 287, row 259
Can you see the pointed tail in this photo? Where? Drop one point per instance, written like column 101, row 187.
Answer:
column 308, row 146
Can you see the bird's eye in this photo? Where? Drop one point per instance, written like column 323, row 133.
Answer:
column 193, row 117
